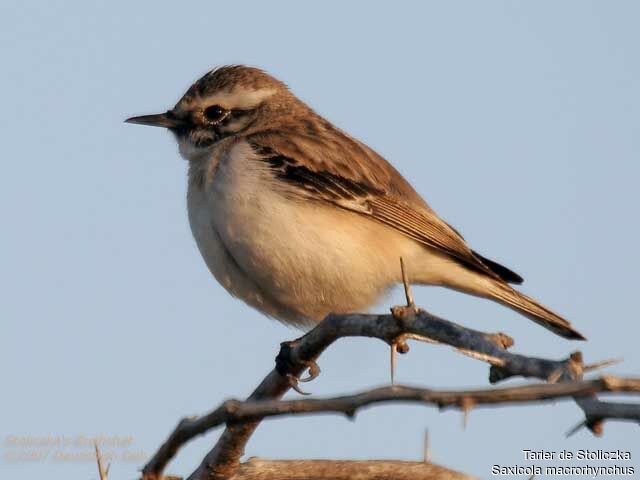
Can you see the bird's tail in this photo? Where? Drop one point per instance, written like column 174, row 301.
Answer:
column 527, row 306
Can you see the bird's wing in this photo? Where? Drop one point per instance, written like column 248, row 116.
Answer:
column 357, row 179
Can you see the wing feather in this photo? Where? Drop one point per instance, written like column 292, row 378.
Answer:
column 384, row 196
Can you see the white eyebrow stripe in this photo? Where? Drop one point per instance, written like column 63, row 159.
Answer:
column 240, row 99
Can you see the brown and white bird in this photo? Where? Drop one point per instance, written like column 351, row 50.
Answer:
column 299, row 220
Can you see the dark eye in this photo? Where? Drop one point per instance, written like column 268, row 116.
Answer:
column 214, row 113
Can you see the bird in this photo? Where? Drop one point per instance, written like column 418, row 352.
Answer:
column 299, row 219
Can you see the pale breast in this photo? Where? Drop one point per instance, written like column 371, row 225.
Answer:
column 292, row 259
column 203, row 209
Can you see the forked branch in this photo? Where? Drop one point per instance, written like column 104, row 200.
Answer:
column 405, row 322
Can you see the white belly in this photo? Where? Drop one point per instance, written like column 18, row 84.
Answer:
column 294, row 260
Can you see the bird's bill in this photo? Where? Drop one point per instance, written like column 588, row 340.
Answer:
column 165, row 120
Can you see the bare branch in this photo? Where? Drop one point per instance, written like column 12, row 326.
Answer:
column 597, row 411
column 404, row 322
column 465, row 400
column 234, row 411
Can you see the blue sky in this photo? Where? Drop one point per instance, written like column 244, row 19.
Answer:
column 518, row 122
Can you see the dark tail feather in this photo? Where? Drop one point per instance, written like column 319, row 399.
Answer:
column 503, row 272
column 531, row 309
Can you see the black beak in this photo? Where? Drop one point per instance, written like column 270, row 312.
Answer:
column 166, row 120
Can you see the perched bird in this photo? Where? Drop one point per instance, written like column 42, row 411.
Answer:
column 299, row 219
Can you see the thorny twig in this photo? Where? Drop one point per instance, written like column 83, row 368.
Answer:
column 564, row 379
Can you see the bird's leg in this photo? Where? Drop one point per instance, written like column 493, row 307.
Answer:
column 407, row 286
column 402, row 314
column 286, row 364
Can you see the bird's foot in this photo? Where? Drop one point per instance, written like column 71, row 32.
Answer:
column 294, row 383
column 290, row 367
column 403, row 314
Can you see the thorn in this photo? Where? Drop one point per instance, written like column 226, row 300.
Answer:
column 427, row 447
column 407, row 285
column 576, row 429
column 101, row 470
column 467, row 405
column 555, row 376
column 393, row 363
column 293, row 383
column 602, row 364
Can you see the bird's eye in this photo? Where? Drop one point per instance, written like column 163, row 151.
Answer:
column 214, row 113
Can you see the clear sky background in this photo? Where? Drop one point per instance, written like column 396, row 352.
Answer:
column 519, row 123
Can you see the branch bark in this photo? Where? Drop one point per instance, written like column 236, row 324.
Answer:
column 223, row 461
column 235, row 411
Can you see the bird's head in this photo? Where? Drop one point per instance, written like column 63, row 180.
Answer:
column 227, row 101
